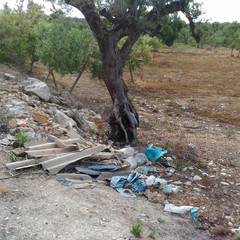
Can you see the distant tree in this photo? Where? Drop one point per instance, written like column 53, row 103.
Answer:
column 18, row 32
column 110, row 21
column 69, row 52
column 193, row 12
column 231, row 36
column 139, row 55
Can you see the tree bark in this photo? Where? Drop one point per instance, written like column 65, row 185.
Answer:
column 124, row 118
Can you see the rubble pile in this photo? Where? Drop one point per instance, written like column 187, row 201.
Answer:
column 51, row 130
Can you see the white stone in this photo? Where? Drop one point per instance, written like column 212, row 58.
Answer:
column 197, row 178
column 37, row 87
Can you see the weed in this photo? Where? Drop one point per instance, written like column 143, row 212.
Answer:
column 162, row 221
column 21, row 137
column 237, row 237
column 15, row 158
column 152, row 233
column 168, row 127
column 229, row 133
column 137, row 228
column 131, row 98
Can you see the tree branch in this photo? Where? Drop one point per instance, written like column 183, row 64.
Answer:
column 88, row 9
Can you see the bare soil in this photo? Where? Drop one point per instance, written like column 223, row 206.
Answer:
column 184, row 96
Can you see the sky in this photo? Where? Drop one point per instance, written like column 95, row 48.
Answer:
column 215, row 10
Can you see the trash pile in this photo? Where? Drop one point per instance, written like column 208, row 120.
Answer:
column 50, row 130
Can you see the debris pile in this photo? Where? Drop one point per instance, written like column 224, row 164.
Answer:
column 51, row 130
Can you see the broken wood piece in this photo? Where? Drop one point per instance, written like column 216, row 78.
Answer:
column 54, row 165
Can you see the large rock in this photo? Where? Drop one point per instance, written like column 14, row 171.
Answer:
column 37, row 87
column 62, row 119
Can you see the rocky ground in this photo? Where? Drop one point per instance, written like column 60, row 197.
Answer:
column 203, row 152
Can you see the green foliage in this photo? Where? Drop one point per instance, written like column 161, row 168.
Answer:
column 170, row 28
column 162, row 220
column 21, row 137
column 95, row 64
column 64, row 47
column 137, row 228
column 152, row 233
column 230, row 133
column 18, row 34
column 141, row 53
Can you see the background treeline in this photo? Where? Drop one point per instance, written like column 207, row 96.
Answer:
column 66, row 45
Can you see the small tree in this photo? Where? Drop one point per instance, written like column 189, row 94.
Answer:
column 69, row 52
column 139, row 55
column 18, row 34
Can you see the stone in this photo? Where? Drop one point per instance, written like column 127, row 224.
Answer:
column 37, row 87
column 193, row 148
column 197, row 189
column 16, row 107
column 178, row 183
column 188, row 183
column 225, row 183
column 62, row 119
column 197, row 178
column 219, row 230
column 155, row 197
column 8, row 76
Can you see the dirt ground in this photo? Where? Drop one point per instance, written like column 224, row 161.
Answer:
column 185, row 96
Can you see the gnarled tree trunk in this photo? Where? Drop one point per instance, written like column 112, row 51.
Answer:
column 113, row 22
column 124, row 118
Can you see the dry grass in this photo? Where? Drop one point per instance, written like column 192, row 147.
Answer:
column 207, row 80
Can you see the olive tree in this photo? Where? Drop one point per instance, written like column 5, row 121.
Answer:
column 110, row 21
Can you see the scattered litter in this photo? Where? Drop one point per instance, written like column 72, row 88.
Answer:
column 78, row 184
column 133, row 180
column 88, row 171
column 171, row 208
column 154, row 153
column 126, row 192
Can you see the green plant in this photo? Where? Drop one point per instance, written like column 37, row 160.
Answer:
column 162, row 220
column 152, row 233
column 229, row 133
column 137, row 228
column 237, row 237
column 21, row 137
column 131, row 98
column 168, row 127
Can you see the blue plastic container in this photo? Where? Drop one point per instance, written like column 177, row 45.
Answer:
column 153, row 153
